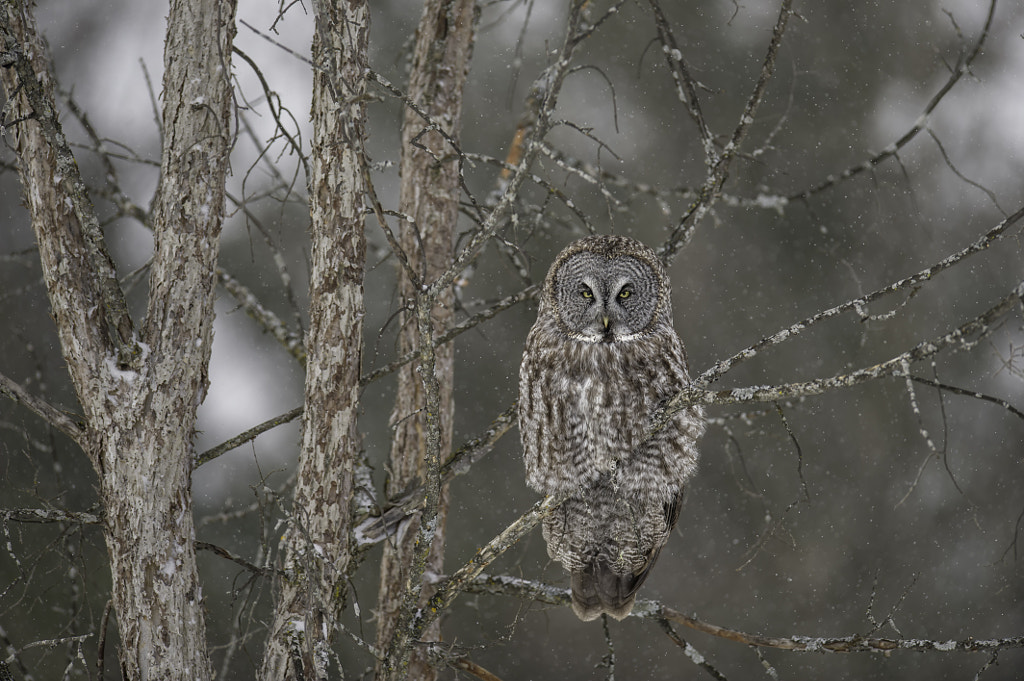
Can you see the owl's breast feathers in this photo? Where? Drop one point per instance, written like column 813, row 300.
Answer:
column 586, row 408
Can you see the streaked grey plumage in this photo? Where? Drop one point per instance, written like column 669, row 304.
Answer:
column 600, row 359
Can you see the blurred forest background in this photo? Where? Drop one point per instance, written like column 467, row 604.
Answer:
column 868, row 510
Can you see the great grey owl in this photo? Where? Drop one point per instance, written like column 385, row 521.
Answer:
column 600, row 359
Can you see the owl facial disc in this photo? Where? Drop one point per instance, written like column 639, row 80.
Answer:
column 606, row 299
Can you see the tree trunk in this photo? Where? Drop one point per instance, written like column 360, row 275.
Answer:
column 317, row 545
column 429, row 195
column 139, row 393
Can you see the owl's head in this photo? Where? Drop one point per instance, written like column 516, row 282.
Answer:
column 607, row 289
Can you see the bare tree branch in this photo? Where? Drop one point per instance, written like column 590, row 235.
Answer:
column 55, row 417
column 853, row 643
column 529, row 293
column 962, row 68
column 859, row 304
column 891, row 367
column 382, row 525
column 718, row 166
column 247, row 436
column 50, row 515
column 692, row 653
column 450, row 587
column 118, row 325
column 684, row 82
column 263, row 316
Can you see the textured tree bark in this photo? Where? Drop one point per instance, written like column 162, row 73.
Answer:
column 49, row 178
column 317, row 544
column 429, row 195
column 146, row 482
column 139, row 393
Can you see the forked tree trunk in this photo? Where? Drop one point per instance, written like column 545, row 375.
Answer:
column 316, row 546
column 430, row 193
column 140, row 391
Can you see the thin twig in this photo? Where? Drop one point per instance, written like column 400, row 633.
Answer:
column 685, row 85
column 227, row 555
column 969, row 393
column 718, row 171
column 909, row 282
column 470, row 667
column 920, row 124
column 528, row 293
column 263, row 316
column 690, row 651
column 693, row 394
column 799, row 452
column 275, row 113
column 247, row 436
column 60, row 420
column 101, row 647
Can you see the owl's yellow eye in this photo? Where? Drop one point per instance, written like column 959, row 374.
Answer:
column 625, row 293
column 587, row 293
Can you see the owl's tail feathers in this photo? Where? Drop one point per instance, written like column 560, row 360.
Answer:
column 598, row 589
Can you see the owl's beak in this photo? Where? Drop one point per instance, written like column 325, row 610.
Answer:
column 605, row 320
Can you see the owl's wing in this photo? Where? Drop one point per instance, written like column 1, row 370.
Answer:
column 556, row 449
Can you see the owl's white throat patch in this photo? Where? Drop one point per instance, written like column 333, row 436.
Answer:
column 594, row 339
